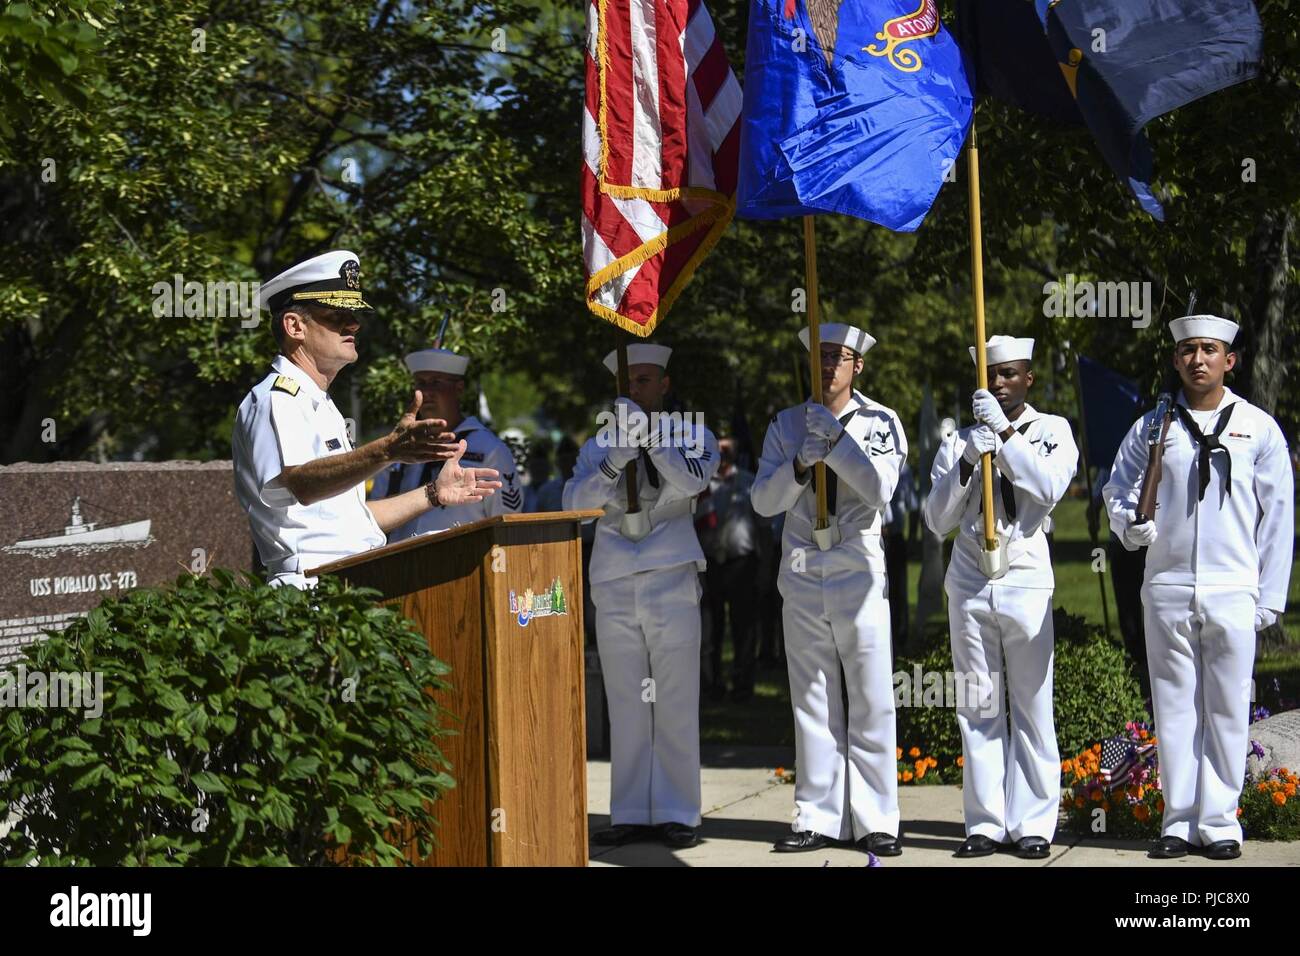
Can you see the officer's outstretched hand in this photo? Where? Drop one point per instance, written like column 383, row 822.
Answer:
column 412, row 440
column 461, row 486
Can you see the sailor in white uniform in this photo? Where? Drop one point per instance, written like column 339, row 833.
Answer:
column 1011, row 784
column 836, row 611
column 645, row 586
column 439, row 376
column 1217, row 569
column 297, row 474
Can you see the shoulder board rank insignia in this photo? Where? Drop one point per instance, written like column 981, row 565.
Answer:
column 284, row 383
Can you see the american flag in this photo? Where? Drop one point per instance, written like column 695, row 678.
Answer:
column 1119, row 755
column 661, row 141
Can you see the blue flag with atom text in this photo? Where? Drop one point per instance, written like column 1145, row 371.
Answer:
column 857, row 107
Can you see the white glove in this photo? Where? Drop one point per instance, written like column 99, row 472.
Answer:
column 981, row 440
column 987, row 410
column 633, row 425
column 618, row 456
column 819, row 421
column 1141, row 535
column 631, row 430
column 1264, row 618
column 815, row 448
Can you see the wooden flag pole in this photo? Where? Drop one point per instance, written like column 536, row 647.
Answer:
column 624, row 386
column 981, row 360
column 814, row 356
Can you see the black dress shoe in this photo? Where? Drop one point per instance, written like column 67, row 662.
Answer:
column 801, row 842
column 1170, row 848
column 621, row 833
column 978, row 845
column 1223, row 850
column 1033, row 848
column 881, row 844
column 679, row 836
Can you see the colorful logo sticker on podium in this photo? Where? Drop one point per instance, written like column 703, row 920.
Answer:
column 531, row 605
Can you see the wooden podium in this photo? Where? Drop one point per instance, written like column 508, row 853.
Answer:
column 500, row 600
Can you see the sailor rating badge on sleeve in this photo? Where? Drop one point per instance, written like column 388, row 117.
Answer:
column 284, row 383
column 881, row 443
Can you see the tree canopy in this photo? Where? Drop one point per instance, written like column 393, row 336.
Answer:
column 441, row 142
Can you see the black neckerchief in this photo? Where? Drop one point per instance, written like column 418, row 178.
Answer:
column 1208, row 444
column 832, row 480
column 651, row 472
column 1005, row 487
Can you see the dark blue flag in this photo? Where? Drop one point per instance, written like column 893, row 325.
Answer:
column 851, row 106
column 1129, row 61
column 1010, row 60
column 1111, row 404
column 1125, row 62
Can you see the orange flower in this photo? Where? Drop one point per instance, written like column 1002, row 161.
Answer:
column 1279, row 798
column 907, row 776
column 1289, row 789
column 1141, row 813
column 961, row 761
column 1079, row 802
column 914, row 752
column 934, row 762
column 1096, row 748
column 898, row 753
column 1239, row 811
column 1160, row 805
column 1098, row 796
column 900, row 775
column 1261, row 787
column 780, row 771
column 920, row 771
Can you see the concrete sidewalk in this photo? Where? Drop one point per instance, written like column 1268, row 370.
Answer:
column 746, row 810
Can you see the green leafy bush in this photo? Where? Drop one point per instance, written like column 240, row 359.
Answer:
column 1095, row 692
column 1094, row 695
column 241, row 725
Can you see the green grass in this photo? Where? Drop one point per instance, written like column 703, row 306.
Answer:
column 766, row 719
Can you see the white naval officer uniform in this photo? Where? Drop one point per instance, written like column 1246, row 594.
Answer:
column 836, row 614
column 1215, row 560
column 482, row 450
column 1011, row 781
column 647, row 599
column 287, row 420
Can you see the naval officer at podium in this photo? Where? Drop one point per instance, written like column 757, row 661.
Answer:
column 297, row 474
